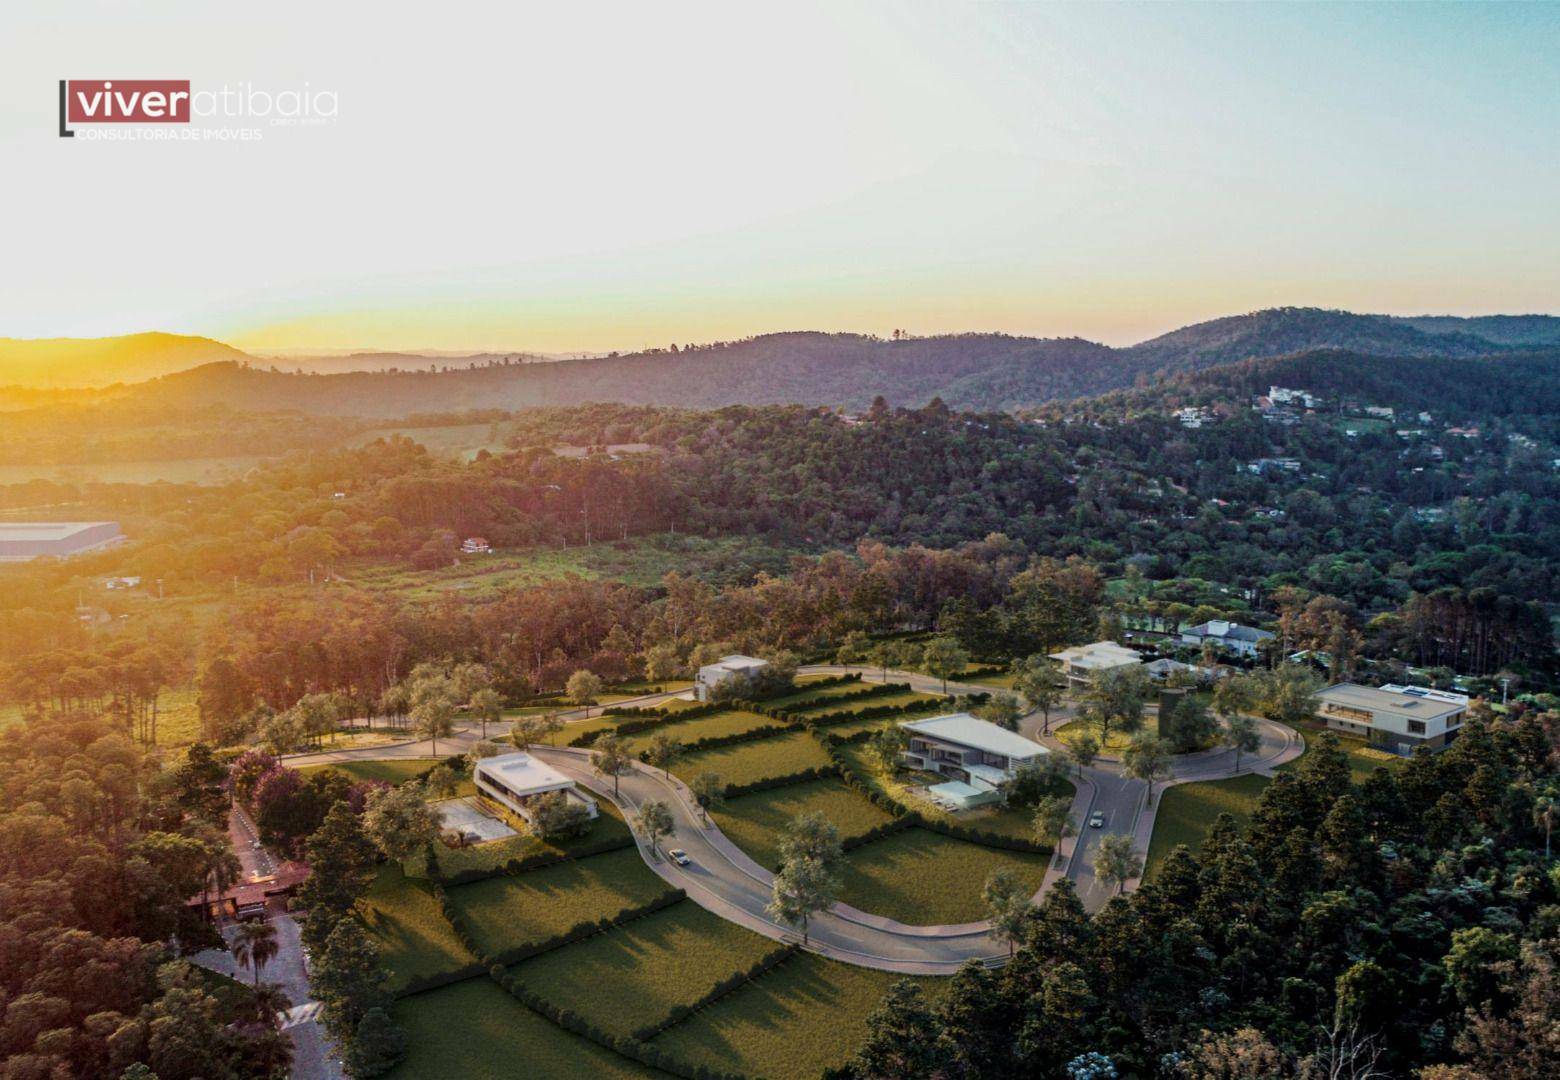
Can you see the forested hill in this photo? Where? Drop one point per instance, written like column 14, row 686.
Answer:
column 1521, row 386
column 977, row 371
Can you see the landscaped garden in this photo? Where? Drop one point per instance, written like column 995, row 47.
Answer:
column 756, row 822
column 474, row 1028
column 510, row 910
column 806, row 1015
column 633, row 976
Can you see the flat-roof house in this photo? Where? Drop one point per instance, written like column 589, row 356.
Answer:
column 977, row 756
column 515, row 781
column 1392, row 717
column 23, row 540
column 1238, row 639
column 1082, row 662
column 735, row 666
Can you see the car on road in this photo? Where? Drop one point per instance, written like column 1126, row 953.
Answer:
column 679, row 856
column 1096, row 820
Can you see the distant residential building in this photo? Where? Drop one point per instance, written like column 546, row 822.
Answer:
column 1463, row 432
column 1230, row 636
column 1082, row 662
column 977, row 756
column 475, row 545
column 1395, row 718
column 1380, row 412
column 24, row 540
column 1426, row 418
column 1430, row 514
column 1280, row 395
column 1273, row 464
column 122, row 583
column 724, row 670
column 1196, row 416
column 1161, row 669
column 516, row 781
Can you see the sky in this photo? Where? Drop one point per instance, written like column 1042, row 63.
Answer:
column 588, row 177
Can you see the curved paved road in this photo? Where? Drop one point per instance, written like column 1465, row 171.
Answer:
column 725, row 880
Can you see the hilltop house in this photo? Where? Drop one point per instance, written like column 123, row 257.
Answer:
column 727, row 668
column 1392, row 717
column 977, row 757
column 1230, row 636
column 515, row 781
column 1082, row 662
column 475, row 545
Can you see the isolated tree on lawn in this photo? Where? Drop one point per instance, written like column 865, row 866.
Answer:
column 1147, row 759
column 662, row 751
column 881, row 655
column 527, row 731
column 812, row 836
column 1053, row 820
column 1115, row 860
column 1007, row 905
column 400, row 822
column 487, row 705
column 1114, row 701
column 709, row 791
column 802, row 888
column 655, row 822
column 1242, row 736
column 433, row 709
column 1036, row 678
column 254, row 945
column 612, row 758
column 1083, row 750
column 943, row 658
column 583, row 688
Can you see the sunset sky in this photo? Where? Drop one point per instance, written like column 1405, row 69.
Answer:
column 592, row 177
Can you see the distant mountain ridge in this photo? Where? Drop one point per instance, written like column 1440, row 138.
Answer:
column 982, row 371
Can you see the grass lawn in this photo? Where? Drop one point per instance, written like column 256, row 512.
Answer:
column 921, row 877
column 1073, row 730
column 474, row 1028
column 743, row 763
column 898, row 701
column 805, row 694
column 1363, row 758
column 391, row 771
column 634, row 975
column 806, row 1015
column 507, row 911
column 755, row 822
column 730, row 722
column 415, row 939
column 1186, row 811
column 496, row 853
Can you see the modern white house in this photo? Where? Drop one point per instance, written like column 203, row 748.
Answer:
column 1082, row 662
column 978, row 757
column 1396, row 718
column 515, row 781
column 735, row 666
column 1230, row 636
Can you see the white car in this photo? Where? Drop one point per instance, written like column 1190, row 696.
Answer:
column 679, row 856
column 1096, row 820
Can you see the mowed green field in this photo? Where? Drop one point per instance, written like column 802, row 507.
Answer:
column 921, row 877
column 731, row 722
column 508, row 911
column 393, row 771
column 1186, row 811
column 634, row 975
column 756, row 822
column 807, row 1015
column 744, row 763
column 415, row 939
column 898, row 701
column 476, row 1029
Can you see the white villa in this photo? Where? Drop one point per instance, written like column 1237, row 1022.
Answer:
column 735, row 666
column 1082, row 662
column 514, row 781
column 1395, row 718
column 1238, row 639
column 978, row 757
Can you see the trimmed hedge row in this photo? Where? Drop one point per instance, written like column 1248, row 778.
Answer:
column 710, row 742
column 877, row 832
column 447, row 978
column 578, row 932
column 534, row 861
column 877, row 712
column 816, row 772
column 877, row 690
column 984, row 837
column 679, row 1013
column 623, row 1045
